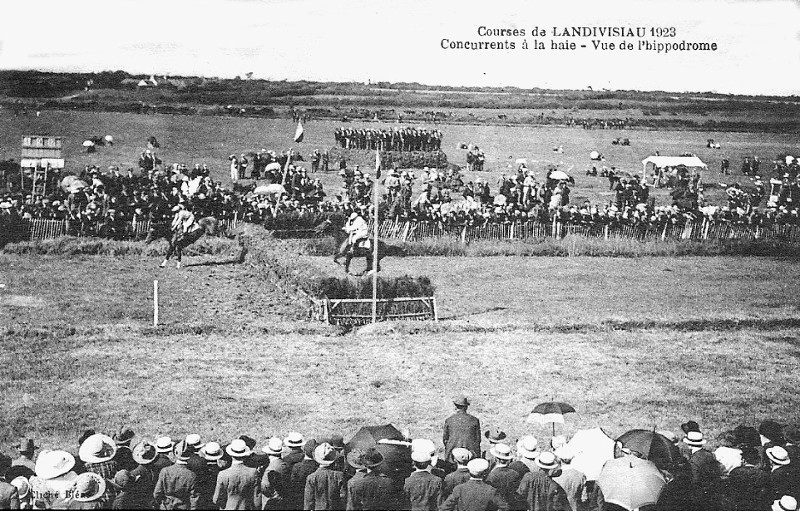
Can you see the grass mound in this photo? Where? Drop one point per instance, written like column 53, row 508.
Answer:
column 388, row 289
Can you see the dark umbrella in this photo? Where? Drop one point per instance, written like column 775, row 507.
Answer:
column 552, row 412
column 651, row 446
column 396, row 452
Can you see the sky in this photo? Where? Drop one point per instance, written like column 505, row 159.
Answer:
column 401, row 41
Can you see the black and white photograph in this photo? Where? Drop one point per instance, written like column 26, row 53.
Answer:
column 400, row 254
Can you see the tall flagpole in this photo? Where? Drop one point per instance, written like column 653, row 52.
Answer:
column 286, row 167
column 375, row 244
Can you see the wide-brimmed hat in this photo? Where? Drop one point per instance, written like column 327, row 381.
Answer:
column 164, row 445
column 22, row 485
column 778, row 455
column 52, row 464
column 526, row 447
column 501, row 452
column 88, row 487
column 785, row 503
column 238, row 449
column 97, row 449
column 547, row 461
column 694, row 439
column 144, row 453
column 274, row 447
column 182, row 451
column 26, row 445
column 354, row 459
column 461, row 400
column 371, row 458
column 122, row 479
column 325, row 454
column 124, row 436
column 212, row 451
column 294, row 439
column 461, row 455
column 495, row 435
column 478, row 467
column 690, row 426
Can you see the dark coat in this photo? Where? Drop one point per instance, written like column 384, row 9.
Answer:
column 373, row 491
column 452, row 480
column 9, row 499
column 422, row 490
column 462, row 430
column 325, row 489
column 506, row 480
column 297, row 483
column 541, row 493
column 474, row 495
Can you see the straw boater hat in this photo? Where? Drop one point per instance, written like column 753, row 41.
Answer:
column 325, row 454
column 785, row 503
column 294, row 439
column 420, row 457
column 238, row 449
column 526, row 447
column 494, row 435
column 461, row 400
column 274, row 447
column 88, row 487
column 478, row 467
column 212, row 451
column 52, row 464
column 193, row 441
column 547, row 461
column 144, row 453
column 501, row 452
column 694, row 439
column 778, row 455
column 97, row 449
column 164, row 445
column 461, row 455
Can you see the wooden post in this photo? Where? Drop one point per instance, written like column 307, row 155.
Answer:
column 375, row 246
column 155, row 303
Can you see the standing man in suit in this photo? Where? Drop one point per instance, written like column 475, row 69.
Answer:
column 238, row 486
column 475, row 494
column 461, row 430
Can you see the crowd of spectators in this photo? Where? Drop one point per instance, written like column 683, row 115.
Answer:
column 393, row 139
column 745, row 468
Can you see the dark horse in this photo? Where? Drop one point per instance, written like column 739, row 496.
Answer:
column 328, row 227
column 178, row 240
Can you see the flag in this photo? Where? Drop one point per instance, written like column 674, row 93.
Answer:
column 298, row 133
column 377, row 164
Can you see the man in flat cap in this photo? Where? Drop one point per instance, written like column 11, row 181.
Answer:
column 461, row 430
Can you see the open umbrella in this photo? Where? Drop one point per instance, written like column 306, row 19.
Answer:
column 652, row 446
column 594, row 155
column 88, row 143
column 631, row 482
column 273, row 189
column 388, row 440
column 592, row 448
column 67, row 181
column 272, row 166
column 550, row 412
column 560, row 175
column 77, row 186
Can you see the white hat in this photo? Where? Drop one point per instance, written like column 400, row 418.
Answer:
column 294, row 439
column 212, row 451
column 22, row 485
column 88, row 487
column 547, row 460
column 97, row 449
column 477, row 467
column 423, row 445
column 193, row 441
column 785, row 503
column 461, row 455
column 325, row 454
column 501, row 452
column 778, row 455
column 694, row 439
column 164, row 445
column 52, row 464
column 420, row 456
column 274, row 446
column 238, row 449
column 526, row 447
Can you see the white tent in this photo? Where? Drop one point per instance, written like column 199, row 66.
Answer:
column 660, row 162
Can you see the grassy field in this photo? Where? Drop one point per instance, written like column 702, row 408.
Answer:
column 629, row 342
column 210, row 140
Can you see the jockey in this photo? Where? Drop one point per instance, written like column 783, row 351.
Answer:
column 186, row 231
column 357, row 230
column 184, row 221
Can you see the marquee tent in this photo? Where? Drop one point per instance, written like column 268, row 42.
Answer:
column 660, row 162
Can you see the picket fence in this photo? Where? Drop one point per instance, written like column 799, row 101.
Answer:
column 43, row 229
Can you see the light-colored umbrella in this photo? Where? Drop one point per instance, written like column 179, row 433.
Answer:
column 273, row 189
column 592, row 448
column 631, row 482
column 559, row 175
column 88, row 143
column 594, row 155
column 77, row 186
column 273, row 166
column 67, row 181
column 550, row 412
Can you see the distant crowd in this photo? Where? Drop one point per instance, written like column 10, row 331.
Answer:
column 382, row 468
column 393, row 139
